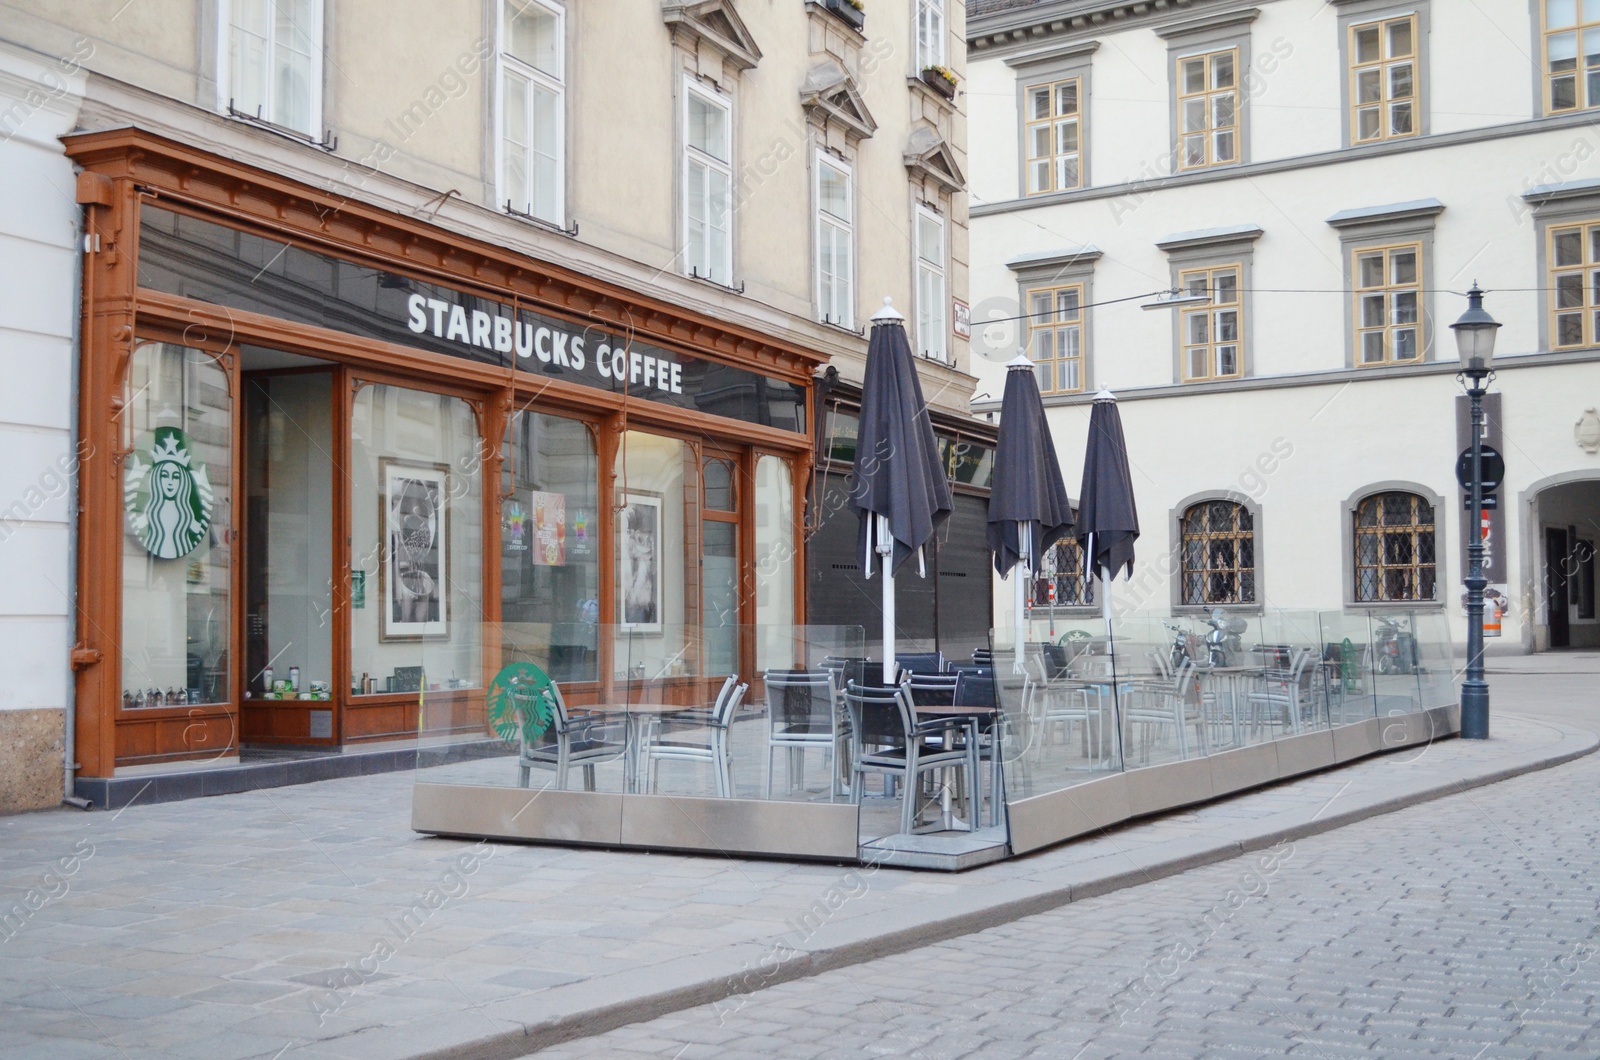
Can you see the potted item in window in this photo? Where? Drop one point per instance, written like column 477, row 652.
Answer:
column 941, row 79
column 853, row 12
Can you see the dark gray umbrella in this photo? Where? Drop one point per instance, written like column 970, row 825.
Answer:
column 1028, row 506
column 900, row 490
column 1108, row 524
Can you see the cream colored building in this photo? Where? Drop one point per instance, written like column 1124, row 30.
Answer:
column 1329, row 176
column 767, row 173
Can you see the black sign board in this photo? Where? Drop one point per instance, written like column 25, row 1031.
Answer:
column 1492, row 465
column 1494, row 534
column 1491, row 503
column 209, row 262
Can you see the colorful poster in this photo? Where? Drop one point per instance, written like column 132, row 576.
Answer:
column 549, row 521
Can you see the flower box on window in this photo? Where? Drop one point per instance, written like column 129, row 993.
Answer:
column 851, row 12
column 941, row 79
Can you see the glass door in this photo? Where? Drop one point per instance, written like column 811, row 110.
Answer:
column 289, row 557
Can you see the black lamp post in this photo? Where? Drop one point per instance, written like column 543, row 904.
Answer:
column 1475, row 334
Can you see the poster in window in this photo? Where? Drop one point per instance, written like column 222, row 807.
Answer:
column 640, row 558
column 414, row 532
column 549, row 528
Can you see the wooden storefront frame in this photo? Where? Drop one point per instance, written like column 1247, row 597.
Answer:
column 123, row 169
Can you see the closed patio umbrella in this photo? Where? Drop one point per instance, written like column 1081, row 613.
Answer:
column 1028, row 506
column 1108, row 523
column 900, row 491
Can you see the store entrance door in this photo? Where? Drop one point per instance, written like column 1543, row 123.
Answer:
column 288, row 557
column 1556, row 559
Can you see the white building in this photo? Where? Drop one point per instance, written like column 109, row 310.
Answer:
column 1333, row 174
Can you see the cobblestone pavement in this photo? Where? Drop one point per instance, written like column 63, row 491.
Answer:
column 1466, row 927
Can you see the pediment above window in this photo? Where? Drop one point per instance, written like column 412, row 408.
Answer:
column 928, row 155
column 830, row 94
column 716, row 23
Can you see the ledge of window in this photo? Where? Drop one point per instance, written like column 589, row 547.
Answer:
column 859, row 333
column 1070, row 614
column 1415, row 210
column 1569, row 189
column 328, row 143
column 948, row 103
column 1202, row 610
column 718, row 284
column 1210, row 238
column 539, row 222
column 1394, row 605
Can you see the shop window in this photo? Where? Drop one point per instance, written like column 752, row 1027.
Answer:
column 774, row 561
column 658, row 527
column 1394, row 548
column 1219, row 554
column 930, row 33
column 931, row 297
column 1384, row 86
column 1569, row 84
column 719, row 565
column 416, row 542
column 1055, row 338
column 1213, row 335
column 1575, row 284
column 1208, row 109
column 532, row 109
column 1388, row 300
column 707, row 184
column 835, row 243
column 550, row 546
column 177, row 558
column 1052, row 135
column 1063, row 578
column 272, row 61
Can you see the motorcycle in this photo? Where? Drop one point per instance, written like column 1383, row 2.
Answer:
column 1185, row 647
column 1222, row 643
column 1393, row 646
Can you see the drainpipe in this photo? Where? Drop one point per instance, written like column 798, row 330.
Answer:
column 69, row 743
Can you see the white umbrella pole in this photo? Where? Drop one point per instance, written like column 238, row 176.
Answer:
column 885, row 548
column 1019, row 575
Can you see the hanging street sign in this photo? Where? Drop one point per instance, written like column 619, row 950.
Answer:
column 1494, row 469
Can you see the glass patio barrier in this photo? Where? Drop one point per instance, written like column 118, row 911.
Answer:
column 1162, row 710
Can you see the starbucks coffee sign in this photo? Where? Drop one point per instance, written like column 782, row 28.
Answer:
column 167, row 495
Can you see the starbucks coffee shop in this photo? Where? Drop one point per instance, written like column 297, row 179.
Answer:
column 340, row 465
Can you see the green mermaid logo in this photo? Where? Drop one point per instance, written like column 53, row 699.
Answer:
column 167, row 495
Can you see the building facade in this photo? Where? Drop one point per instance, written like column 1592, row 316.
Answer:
column 347, row 374
column 1320, row 181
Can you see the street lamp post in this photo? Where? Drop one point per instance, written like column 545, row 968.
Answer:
column 1475, row 335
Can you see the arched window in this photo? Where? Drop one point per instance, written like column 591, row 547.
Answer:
column 1063, row 578
column 1394, row 548
column 1219, row 554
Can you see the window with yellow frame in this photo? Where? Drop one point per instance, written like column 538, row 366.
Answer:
column 1574, row 285
column 1055, row 337
column 1213, row 334
column 1383, row 80
column 1208, row 109
column 1571, row 29
column 1388, row 305
column 1053, row 135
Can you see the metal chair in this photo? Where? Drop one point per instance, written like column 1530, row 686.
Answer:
column 803, row 715
column 890, row 741
column 933, row 690
column 978, row 690
column 1281, row 694
column 1158, row 704
column 568, row 742
column 667, row 740
column 927, row 662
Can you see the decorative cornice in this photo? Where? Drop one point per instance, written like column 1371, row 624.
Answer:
column 1060, row 53
column 1210, row 237
column 1401, row 211
column 1207, row 23
column 716, row 23
column 928, row 155
column 1542, row 194
column 829, row 93
column 1060, row 258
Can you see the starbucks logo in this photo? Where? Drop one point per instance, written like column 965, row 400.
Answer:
column 520, row 700
column 167, row 495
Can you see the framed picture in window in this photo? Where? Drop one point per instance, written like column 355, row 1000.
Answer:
column 414, row 529
column 639, row 559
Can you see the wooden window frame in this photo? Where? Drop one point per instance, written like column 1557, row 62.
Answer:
column 1414, row 529
column 1052, row 122
column 1388, row 289
column 1385, row 65
column 508, row 65
column 1547, row 78
column 931, row 48
column 1588, row 271
column 934, row 318
column 693, row 156
column 825, row 220
column 1210, row 273
column 1237, row 534
column 1209, row 94
column 1076, row 324
column 225, row 98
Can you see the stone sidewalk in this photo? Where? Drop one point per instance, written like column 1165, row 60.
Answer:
column 311, row 920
